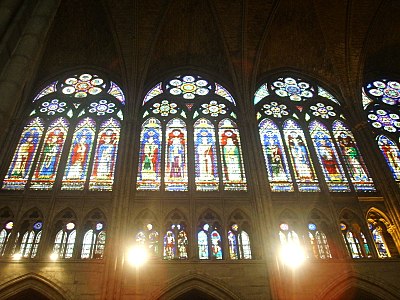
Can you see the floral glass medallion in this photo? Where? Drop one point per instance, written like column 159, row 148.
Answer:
column 382, row 119
column 102, row 107
column 275, row 109
column 165, row 108
column 213, row 108
column 296, row 90
column 83, row 85
column 189, row 87
column 388, row 90
column 52, row 107
column 322, row 110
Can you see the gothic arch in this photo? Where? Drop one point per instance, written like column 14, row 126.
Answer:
column 96, row 212
column 384, row 218
column 32, row 281
column 213, row 288
column 354, row 281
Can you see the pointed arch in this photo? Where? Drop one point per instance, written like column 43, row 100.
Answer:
column 239, row 233
column 176, row 236
column 183, row 284
column 347, row 281
column 94, row 237
column 64, row 233
column 147, row 231
column 36, row 282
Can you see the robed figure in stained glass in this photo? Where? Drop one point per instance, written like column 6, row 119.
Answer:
column 352, row 157
column 150, row 158
column 300, row 157
column 24, row 156
column 176, row 154
column 51, row 154
column 78, row 160
column 230, row 154
column 328, row 159
column 105, row 156
column 391, row 154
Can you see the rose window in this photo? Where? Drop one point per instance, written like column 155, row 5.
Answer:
column 213, row 108
column 189, row 87
column 322, row 111
column 389, row 91
column 82, row 86
column 275, row 109
column 289, row 87
column 53, row 107
column 102, row 107
column 387, row 121
column 165, row 108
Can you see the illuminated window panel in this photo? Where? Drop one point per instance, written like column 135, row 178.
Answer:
column 275, row 157
column 234, row 178
column 46, row 169
column 379, row 241
column 149, row 171
column 391, row 154
column 239, row 243
column 354, row 161
column 206, row 166
column 21, row 164
column 328, row 158
column 148, row 237
column 299, row 155
column 79, row 156
column 65, row 241
column 5, row 233
column 175, row 243
column 176, row 176
column 102, row 177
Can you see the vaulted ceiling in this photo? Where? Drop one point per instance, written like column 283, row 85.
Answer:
column 236, row 41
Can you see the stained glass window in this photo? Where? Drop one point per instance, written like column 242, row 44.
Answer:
column 64, row 241
column 328, row 158
column 381, row 102
column 102, row 177
column 275, row 157
column 239, row 243
column 176, row 176
column 391, row 153
column 50, row 153
column 28, row 238
column 186, row 121
column 353, row 159
column 231, row 156
column 176, row 242
column 205, row 156
column 93, row 105
column 209, row 242
column 94, row 242
column 300, row 112
column 5, row 233
column 21, row 164
column 300, row 157
column 148, row 237
column 319, row 242
column 79, row 155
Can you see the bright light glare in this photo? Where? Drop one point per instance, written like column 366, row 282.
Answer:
column 137, row 256
column 17, row 256
column 292, row 255
column 54, row 256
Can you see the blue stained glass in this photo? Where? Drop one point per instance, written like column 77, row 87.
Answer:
column 21, row 164
column 275, row 157
column 79, row 156
column 300, row 157
column 391, row 154
column 149, row 170
column 176, row 178
column 50, row 154
column 231, row 156
column 233, row 245
column 102, row 177
column 328, row 158
column 206, row 156
column 358, row 171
